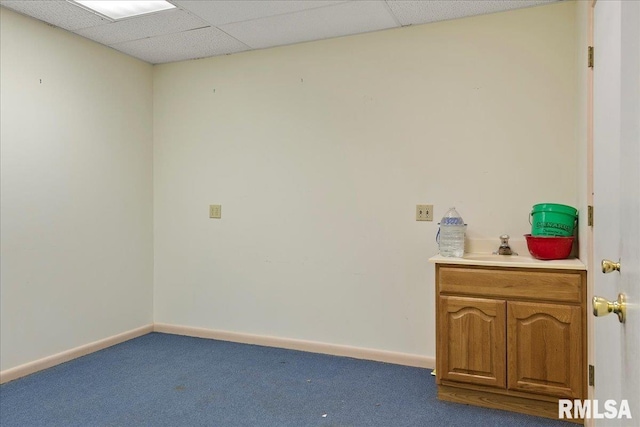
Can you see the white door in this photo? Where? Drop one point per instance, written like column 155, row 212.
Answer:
column 617, row 201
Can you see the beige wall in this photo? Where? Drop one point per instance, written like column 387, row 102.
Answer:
column 319, row 153
column 76, row 176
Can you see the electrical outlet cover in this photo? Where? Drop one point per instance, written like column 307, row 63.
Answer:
column 215, row 211
column 424, row 212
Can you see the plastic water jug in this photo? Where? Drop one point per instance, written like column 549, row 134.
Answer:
column 451, row 234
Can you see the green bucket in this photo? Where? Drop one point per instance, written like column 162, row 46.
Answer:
column 551, row 219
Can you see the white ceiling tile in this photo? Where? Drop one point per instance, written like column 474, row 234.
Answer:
column 199, row 43
column 155, row 24
column 248, row 24
column 316, row 24
column 220, row 12
column 420, row 12
column 59, row 13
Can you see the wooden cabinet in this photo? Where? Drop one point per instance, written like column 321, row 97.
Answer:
column 511, row 338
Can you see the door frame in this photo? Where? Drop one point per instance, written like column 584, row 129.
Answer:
column 589, row 232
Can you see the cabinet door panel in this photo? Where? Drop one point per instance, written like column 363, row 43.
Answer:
column 544, row 349
column 471, row 340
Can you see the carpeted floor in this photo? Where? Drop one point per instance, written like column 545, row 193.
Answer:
column 170, row 380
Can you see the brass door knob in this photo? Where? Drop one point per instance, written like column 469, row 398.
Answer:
column 609, row 266
column 602, row 307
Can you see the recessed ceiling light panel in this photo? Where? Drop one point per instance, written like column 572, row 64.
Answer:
column 120, row 9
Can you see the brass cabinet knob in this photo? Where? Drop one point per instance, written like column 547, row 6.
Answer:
column 609, row 266
column 602, row 307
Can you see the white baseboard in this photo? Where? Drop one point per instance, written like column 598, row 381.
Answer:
column 65, row 356
column 293, row 344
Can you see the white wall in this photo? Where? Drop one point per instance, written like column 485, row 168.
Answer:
column 76, row 207
column 319, row 153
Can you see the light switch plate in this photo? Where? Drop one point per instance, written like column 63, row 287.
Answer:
column 215, row 211
column 424, row 212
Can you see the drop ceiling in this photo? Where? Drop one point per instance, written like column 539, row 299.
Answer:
column 204, row 28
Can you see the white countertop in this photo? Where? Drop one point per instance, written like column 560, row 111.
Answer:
column 526, row 261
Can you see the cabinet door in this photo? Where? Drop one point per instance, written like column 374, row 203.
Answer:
column 545, row 349
column 471, row 340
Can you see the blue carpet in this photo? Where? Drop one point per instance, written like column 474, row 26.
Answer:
column 170, row 380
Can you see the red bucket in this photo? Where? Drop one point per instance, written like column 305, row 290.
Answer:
column 549, row 247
